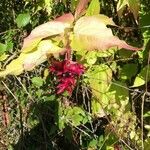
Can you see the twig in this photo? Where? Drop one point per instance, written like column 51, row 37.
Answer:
column 142, row 105
column 126, row 144
column 9, row 31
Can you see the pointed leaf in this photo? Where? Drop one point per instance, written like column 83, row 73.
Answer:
column 15, row 67
column 81, row 7
column 134, row 6
column 94, row 8
column 28, row 61
column 91, row 33
column 120, row 6
column 45, row 30
column 142, row 77
column 66, row 18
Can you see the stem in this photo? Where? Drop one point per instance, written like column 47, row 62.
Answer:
column 68, row 48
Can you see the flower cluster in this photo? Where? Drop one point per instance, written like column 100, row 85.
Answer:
column 67, row 72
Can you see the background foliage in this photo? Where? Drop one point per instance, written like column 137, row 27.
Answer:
column 109, row 107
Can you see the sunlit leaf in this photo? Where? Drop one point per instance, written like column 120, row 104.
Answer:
column 3, row 57
column 91, row 33
column 147, row 114
column 94, row 8
column 119, row 92
column 48, row 6
column 23, row 19
column 143, row 77
column 15, row 67
column 48, row 29
column 91, row 57
column 99, row 78
column 37, row 57
column 28, row 61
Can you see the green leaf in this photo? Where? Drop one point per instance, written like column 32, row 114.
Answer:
column 48, row 6
column 97, row 108
column 23, row 19
column 3, row 48
column 120, row 91
column 142, row 77
column 3, row 57
column 99, row 77
column 93, row 144
column 128, row 71
column 91, row 57
column 94, row 8
column 37, row 81
column 147, row 114
column 10, row 45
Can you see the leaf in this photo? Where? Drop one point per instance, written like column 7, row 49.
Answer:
column 23, row 19
column 128, row 71
column 80, row 8
column 99, row 78
column 37, row 81
column 66, row 18
column 120, row 6
column 91, row 57
column 119, row 92
column 3, row 48
column 147, row 114
column 3, row 57
column 142, row 77
column 91, row 33
column 94, row 8
column 48, row 29
column 15, row 67
column 133, row 5
column 37, row 57
column 28, row 61
column 48, row 6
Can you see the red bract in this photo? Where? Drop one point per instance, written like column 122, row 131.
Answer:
column 66, row 84
column 67, row 73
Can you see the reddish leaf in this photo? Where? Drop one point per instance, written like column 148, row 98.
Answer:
column 66, row 18
column 45, row 30
column 81, row 7
column 91, row 33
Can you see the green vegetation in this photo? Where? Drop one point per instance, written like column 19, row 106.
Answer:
column 74, row 75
